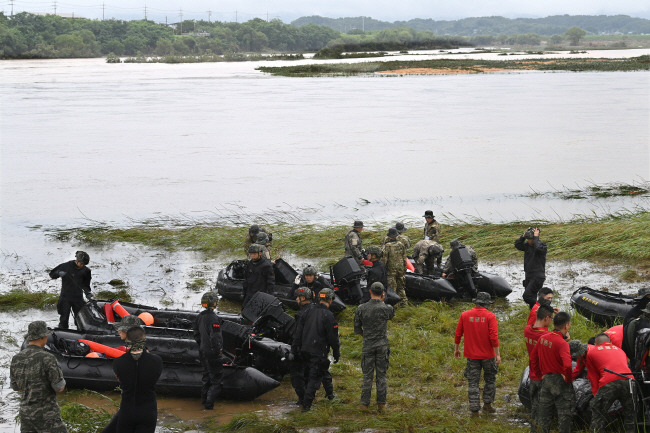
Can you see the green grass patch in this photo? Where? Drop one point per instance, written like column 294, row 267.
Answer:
column 19, row 299
column 461, row 65
column 80, row 418
column 615, row 239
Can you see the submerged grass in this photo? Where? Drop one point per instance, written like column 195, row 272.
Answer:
column 20, row 299
column 426, row 388
column 461, row 65
column 622, row 239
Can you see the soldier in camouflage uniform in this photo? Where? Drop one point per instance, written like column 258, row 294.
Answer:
column 479, row 328
column 428, row 256
column 251, row 237
column 263, row 240
column 400, row 236
column 353, row 244
column 37, row 376
column 455, row 244
column 431, row 227
column 370, row 321
column 394, row 256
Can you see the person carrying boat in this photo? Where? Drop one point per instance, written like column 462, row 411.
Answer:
column 534, row 263
column 428, row 257
column 481, row 332
column 431, row 227
column 532, row 333
column 400, row 236
column 36, row 375
column 353, row 243
column 258, row 274
column 376, row 273
column 137, row 371
column 544, row 297
column 371, row 322
column 551, row 360
column 315, row 336
column 394, row 256
column 308, row 279
column 607, row 387
column 75, row 282
column 251, row 237
column 263, row 240
column 207, row 334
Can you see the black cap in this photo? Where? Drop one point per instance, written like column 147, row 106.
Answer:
column 428, row 213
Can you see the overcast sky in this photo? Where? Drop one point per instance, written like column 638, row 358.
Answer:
column 288, row 10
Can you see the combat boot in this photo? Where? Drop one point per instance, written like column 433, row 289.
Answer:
column 381, row 407
column 474, row 414
column 364, row 407
column 487, row 407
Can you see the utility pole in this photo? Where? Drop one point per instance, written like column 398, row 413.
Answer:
column 267, row 16
column 363, row 24
column 236, row 17
column 12, row 7
column 209, row 16
column 54, row 4
column 103, row 9
column 145, row 12
column 181, row 15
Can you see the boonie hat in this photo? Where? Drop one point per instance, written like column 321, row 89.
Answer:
column 37, row 330
column 128, row 322
column 358, row 224
column 483, row 298
column 400, row 227
column 577, row 348
column 644, row 291
column 392, row 232
column 428, row 213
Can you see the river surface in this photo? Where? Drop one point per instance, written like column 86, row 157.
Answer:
column 85, row 142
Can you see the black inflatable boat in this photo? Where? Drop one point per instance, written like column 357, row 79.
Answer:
column 231, row 279
column 179, row 379
column 420, row 286
column 601, row 307
column 493, row 284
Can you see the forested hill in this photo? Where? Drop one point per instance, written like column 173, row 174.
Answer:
column 552, row 25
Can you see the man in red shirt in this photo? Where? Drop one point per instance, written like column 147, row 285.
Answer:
column 481, row 332
column 608, row 387
column 615, row 334
column 532, row 335
column 544, row 296
column 551, row 360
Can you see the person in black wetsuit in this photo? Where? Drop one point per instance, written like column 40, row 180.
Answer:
column 534, row 263
column 317, row 334
column 631, row 319
column 258, row 274
column 137, row 371
column 207, row 333
column 309, row 279
column 75, row 281
column 377, row 273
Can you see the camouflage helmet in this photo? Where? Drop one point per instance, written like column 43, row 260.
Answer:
column 255, row 248
column 326, row 295
column 82, row 257
column 254, row 229
column 375, row 250
column 304, row 292
column 309, row 270
column 392, row 232
column 128, row 322
column 435, row 250
column 208, row 299
column 262, row 238
column 400, row 227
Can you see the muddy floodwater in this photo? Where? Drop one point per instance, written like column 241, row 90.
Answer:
column 83, row 142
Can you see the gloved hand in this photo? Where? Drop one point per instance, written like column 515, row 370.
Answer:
column 337, row 356
column 270, row 237
column 62, row 274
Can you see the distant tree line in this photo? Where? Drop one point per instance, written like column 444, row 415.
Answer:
column 25, row 35
column 552, row 25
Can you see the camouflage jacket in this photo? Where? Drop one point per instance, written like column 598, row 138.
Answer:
column 395, row 257
column 432, row 231
column 371, row 320
column 421, row 251
column 36, row 374
column 447, row 268
column 353, row 245
column 402, row 238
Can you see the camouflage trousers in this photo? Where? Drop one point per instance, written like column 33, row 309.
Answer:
column 555, row 395
column 605, row 397
column 41, row 420
column 534, row 387
column 397, row 282
column 473, row 375
column 374, row 360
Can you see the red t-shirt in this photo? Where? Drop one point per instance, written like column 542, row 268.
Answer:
column 551, row 354
column 615, row 334
column 605, row 355
column 531, row 335
column 479, row 327
column 532, row 316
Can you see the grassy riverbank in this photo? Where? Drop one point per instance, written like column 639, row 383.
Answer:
column 457, row 66
column 622, row 239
